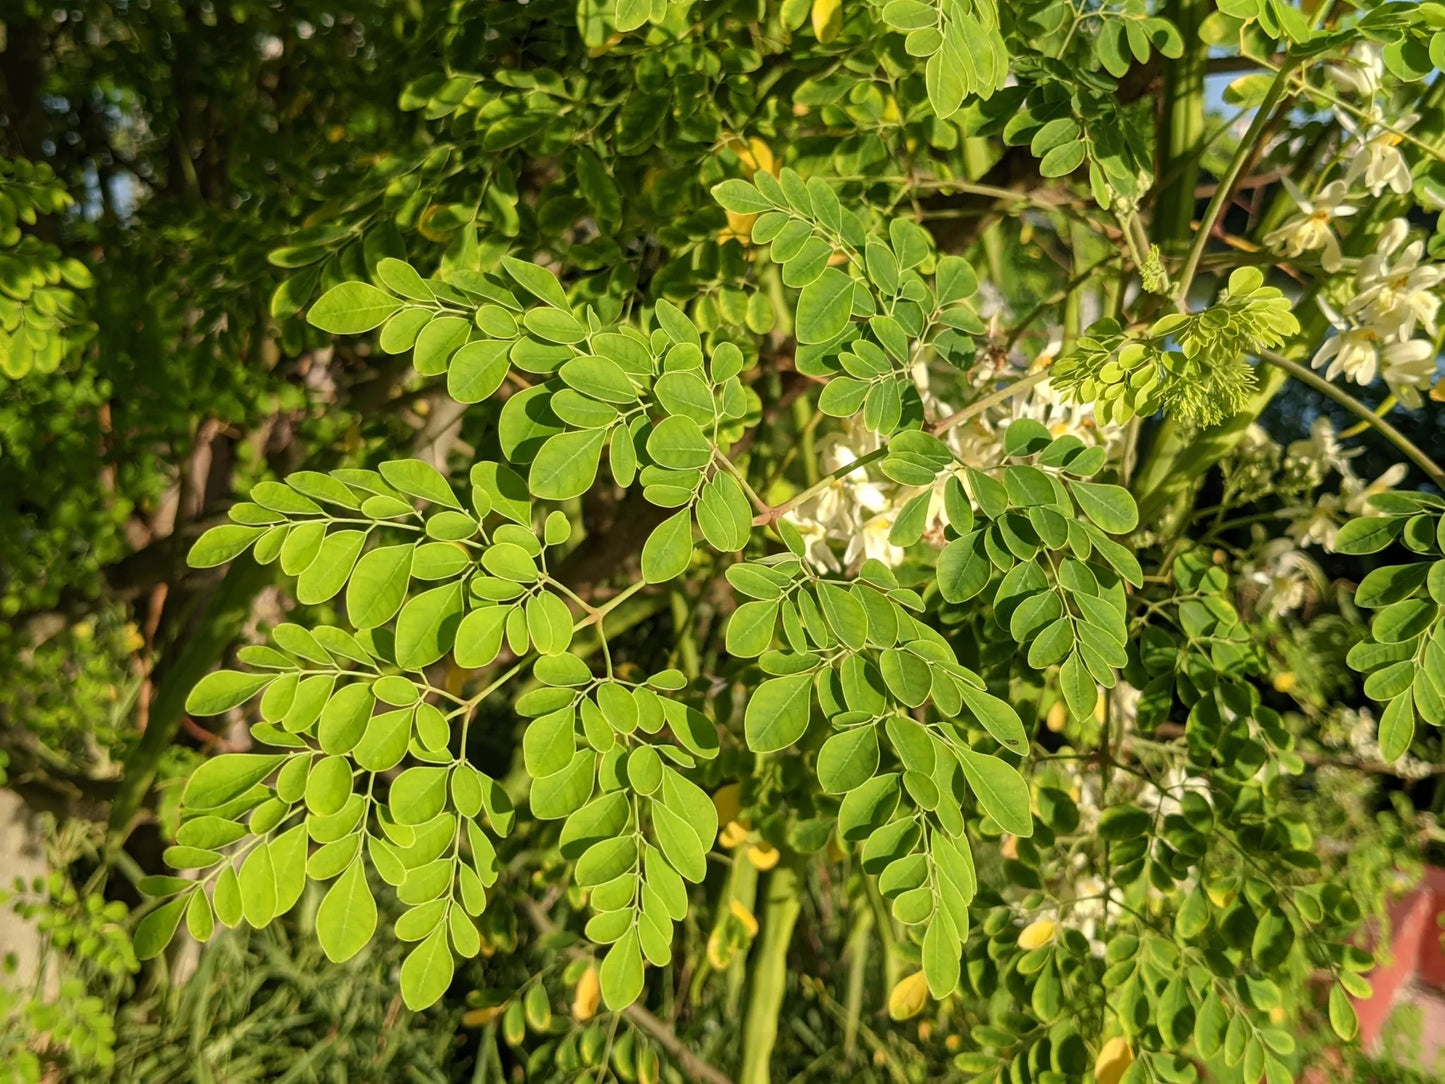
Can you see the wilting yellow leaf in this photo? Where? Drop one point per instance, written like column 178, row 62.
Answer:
column 1036, row 935
column 728, row 802
column 480, row 1018
column 908, row 997
column 589, row 990
column 1113, row 1061
column 827, row 19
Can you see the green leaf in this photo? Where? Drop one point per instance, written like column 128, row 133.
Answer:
column 418, row 794
column 942, row 954
column 1342, row 1014
column 155, row 931
column 1367, row 534
column 258, row 888
column 777, row 712
column 427, row 971
column 352, row 308
column 906, row 675
column 417, row 478
column 427, row 626
column 1000, row 790
column 998, row 718
column 537, row 281
column 566, row 465
column 668, row 549
column 679, row 843
column 378, row 585
column 848, row 760
column 477, row 370
column 740, row 197
column 1273, row 939
column 1110, row 507
column 1397, row 727
column 678, row 442
column 621, row 972
column 226, row 777
column 750, row 628
column 824, row 307
column 222, row 690
column 955, row 279
column 222, row 544
column 1210, row 1025
column 325, row 576
column 1077, row 684
column 346, row 918
column 558, row 795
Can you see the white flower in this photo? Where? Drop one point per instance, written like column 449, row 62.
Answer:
column 1354, row 352
column 1394, row 296
column 871, row 541
column 1379, row 159
column 1356, row 493
column 1310, row 229
column 1362, row 71
column 1322, row 452
column 1317, row 525
column 1408, row 367
column 1285, row 576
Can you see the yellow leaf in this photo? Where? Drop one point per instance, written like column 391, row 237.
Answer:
column 1113, row 1061
column 728, row 802
column 739, row 228
column 743, row 915
column 827, row 19
column 763, row 856
column 589, row 990
column 480, row 1018
column 908, row 997
column 1036, row 935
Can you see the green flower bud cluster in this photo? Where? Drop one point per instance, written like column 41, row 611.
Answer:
column 1192, row 366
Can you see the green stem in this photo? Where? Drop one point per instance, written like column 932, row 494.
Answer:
column 769, row 967
column 1182, row 137
column 1364, row 413
column 1222, row 194
column 857, row 952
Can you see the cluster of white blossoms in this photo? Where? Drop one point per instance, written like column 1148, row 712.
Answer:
column 849, row 522
column 1393, row 294
column 1318, row 524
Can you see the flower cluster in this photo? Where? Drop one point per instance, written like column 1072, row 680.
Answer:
column 1394, row 295
column 856, row 512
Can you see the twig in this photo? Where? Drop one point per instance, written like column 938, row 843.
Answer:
column 1226, row 182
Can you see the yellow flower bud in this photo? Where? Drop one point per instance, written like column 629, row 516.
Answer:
column 763, row 856
column 734, row 834
column 1036, row 935
column 480, row 1018
column 1113, row 1061
column 1058, row 715
column 908, row 997
column 1284, row 681
column 589, row 991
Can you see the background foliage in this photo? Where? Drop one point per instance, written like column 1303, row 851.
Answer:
column 539, row 532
